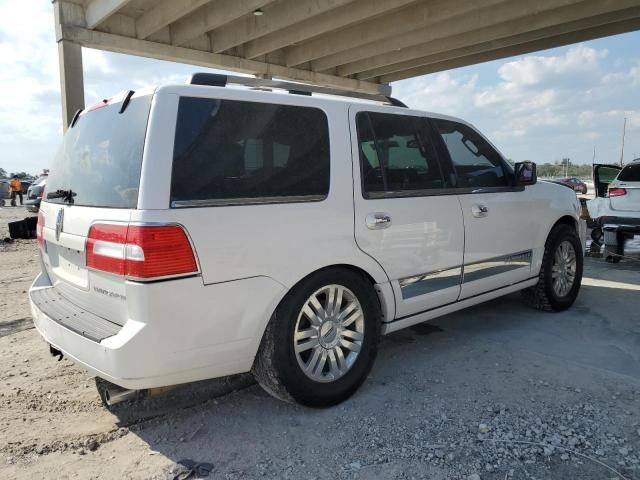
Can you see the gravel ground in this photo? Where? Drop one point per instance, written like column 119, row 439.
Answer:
column 497, row 391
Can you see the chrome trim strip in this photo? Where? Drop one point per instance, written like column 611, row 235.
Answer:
column 497, row 265
column 460, row 300
column 440, row 279
column 227, row 202
column 428, row 282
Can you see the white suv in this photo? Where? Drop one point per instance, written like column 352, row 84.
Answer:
column 195, row 231
column 616, row 209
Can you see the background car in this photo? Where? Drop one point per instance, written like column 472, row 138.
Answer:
column 34, row 194
column 574, row 183
column 4, row 190
column 616, row 209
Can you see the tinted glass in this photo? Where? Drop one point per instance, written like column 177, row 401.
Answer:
column 396, row 154
column 101, row 156
column 227, row 149
column 476, row 162
column 630, row 173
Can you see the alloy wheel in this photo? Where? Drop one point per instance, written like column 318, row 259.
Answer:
column 329, row 333
column 563, row 270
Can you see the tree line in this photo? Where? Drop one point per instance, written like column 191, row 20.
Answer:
column 19, row 175
column 559, row 169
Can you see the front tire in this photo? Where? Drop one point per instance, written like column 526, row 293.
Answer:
column 321, row 341
column 561, row 272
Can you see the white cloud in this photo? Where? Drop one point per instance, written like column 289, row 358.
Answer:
column 434, row 92
column 532, row 70
column 542, row 107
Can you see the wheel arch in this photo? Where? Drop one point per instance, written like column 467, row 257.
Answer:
column 383, row 291
column 565, row 220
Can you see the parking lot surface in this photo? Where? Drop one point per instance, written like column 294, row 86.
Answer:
column 497, row 391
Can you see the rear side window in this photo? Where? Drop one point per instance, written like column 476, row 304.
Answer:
column 476, row 162
column 229, row 151
column 630, row 173
column 99, row 161
column 396, row 154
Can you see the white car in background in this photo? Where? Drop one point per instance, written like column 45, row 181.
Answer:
column 616, row 209
column 196, row 231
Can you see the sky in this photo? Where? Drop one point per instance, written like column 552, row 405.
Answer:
column 543, row 107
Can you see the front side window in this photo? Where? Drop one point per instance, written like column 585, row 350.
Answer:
column 396, row 154
column 476, row 162
column 228, row 150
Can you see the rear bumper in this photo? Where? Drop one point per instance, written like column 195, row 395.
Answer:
column 620, row 224
column 621, row 234
column 178, row 335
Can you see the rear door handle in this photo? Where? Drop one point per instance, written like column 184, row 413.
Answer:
column 378, row 220
column 479, row 211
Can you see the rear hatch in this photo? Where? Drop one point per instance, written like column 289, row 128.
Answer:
column 624, row 191
column 94, row 177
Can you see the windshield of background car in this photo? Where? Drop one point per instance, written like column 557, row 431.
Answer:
column 99, row 161
column 630, row 173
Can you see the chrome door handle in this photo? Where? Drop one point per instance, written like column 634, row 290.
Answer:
column 479, row 211
column 378, row 220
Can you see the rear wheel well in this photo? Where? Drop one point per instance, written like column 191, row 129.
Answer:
column 566, row 220
column 345, row 266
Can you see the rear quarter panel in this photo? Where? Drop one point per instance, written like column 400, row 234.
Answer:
column 285, row 242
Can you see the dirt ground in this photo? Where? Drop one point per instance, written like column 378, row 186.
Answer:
column 498, row 391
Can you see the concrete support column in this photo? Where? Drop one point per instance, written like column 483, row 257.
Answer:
column 71, row 79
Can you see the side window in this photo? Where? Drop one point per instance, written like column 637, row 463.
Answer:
column 396, row 154
column 232, row 150
column 475, row 161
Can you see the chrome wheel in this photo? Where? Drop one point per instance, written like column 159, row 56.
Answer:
column 329, row 333
column 563, row 270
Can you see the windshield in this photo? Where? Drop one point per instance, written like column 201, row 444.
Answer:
column 630, row 173
column 99, row 161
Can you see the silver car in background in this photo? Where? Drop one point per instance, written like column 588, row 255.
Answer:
column 34, row 194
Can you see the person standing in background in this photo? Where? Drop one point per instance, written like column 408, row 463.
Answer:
column 15, row 187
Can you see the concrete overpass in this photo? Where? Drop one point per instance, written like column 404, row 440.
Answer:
column 358, row 45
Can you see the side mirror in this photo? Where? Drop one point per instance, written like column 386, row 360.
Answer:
column 525, row 174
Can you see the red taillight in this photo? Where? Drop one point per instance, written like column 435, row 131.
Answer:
column 106, row 248
column 617, row 192
column 39, row 229
column 140, row 251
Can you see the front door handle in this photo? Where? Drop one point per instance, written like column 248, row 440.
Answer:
column 479, row 211
column 378, row 220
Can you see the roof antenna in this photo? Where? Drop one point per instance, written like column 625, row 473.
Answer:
column 125, row 102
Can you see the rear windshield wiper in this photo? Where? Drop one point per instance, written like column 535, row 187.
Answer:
column 65, row 195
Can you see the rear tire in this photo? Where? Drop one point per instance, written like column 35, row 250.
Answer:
column 561, row 272
column 321, row 311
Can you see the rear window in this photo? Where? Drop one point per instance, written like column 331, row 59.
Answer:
column 229, row 151
column 99, row 161
column 630, row 173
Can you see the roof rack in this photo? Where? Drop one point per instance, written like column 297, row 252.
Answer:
column 220, row 80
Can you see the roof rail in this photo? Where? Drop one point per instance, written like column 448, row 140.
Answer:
column 221, row 80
